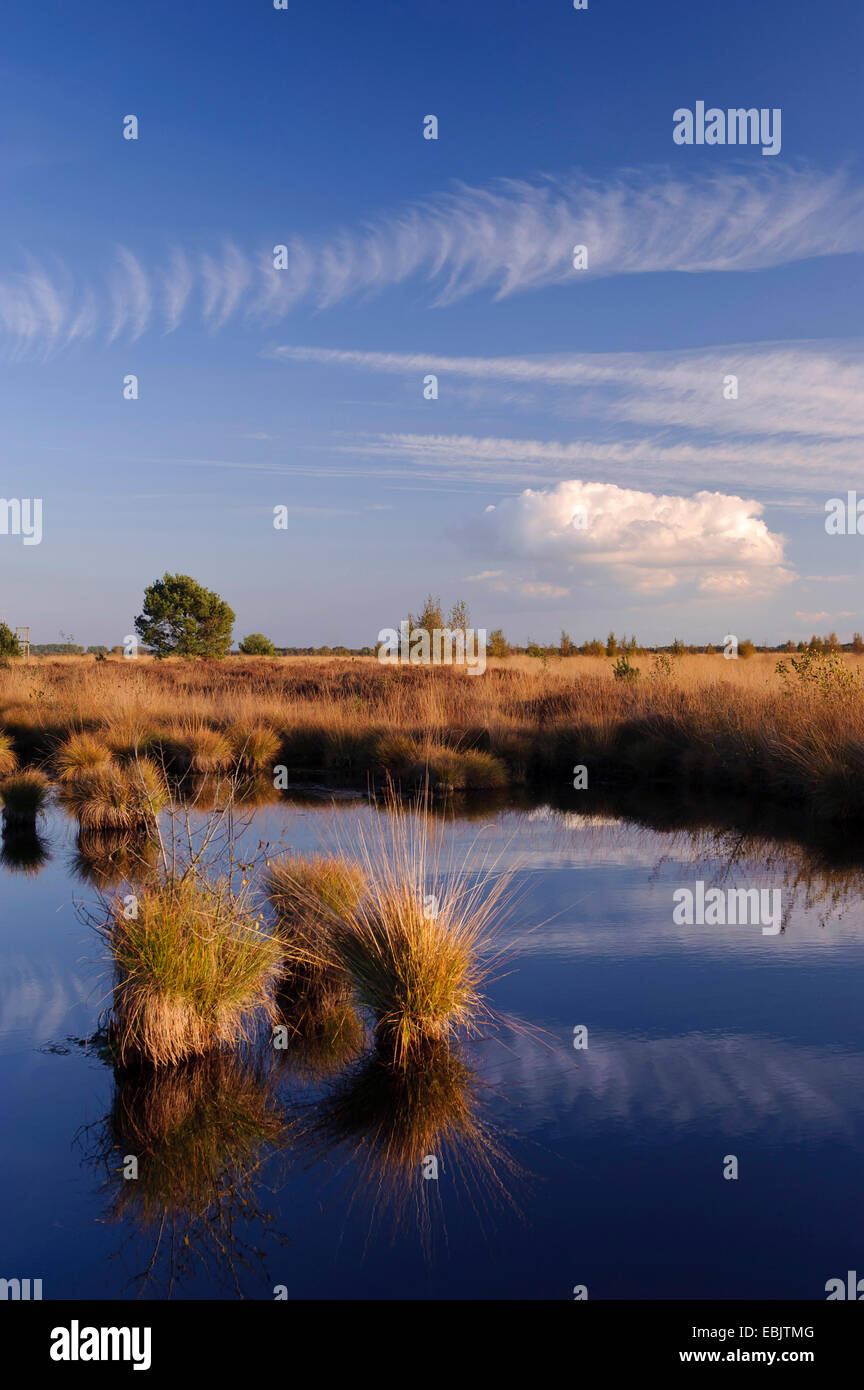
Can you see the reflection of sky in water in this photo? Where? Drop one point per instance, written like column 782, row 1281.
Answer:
column 703, row 1041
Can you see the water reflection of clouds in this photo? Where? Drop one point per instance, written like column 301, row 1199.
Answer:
column 37, row 994
column 740, row 1082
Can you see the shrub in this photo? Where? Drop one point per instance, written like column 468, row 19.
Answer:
column 822, row 671
column 497, row 644
column 661, row 668
column 256, row 644
column 623, row 671
column 9, row 644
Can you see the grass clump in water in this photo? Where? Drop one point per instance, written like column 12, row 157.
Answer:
column 118, row 799
column 308, row 894
column 197, row 748
column 255, row 746
column 8, row 756
column 194, row 970
column 418, row 763
column 309, row 897
column 418, row 944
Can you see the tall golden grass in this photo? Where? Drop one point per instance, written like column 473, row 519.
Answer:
column 738, row 725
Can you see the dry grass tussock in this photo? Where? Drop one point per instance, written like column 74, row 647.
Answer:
column 195, row 969
column 420, row 942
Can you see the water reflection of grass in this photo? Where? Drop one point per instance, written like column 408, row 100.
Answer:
column 201, row 1133
column 323, row 1031
column 23, row 851
column 24, row 797
column 816, row 880
column 817, row 867
column 106, row 860
column 407, row 1131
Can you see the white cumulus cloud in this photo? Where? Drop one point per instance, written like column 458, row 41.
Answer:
column 710, row 544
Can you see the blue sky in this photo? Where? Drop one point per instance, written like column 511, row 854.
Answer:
column 558, row 389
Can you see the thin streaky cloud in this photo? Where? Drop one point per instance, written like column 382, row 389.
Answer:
column 131, row 297
column 512, row 236
column 177, row 283
column 799, row 465
column 813, row 388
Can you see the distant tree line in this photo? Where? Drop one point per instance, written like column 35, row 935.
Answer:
column 625, row 646
column 182, row 618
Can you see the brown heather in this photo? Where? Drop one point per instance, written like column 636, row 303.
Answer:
column 737, row 726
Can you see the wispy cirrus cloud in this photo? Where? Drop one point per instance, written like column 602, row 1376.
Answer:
column 131, row 297
column 797, row 387
column 769, row 466
column 796, row 416
column 511, row 236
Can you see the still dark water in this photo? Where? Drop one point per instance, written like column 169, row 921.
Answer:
column 558, row 1167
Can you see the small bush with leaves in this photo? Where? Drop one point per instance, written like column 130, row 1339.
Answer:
column 661, row 668
column 623, row 671
column 825, row 672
